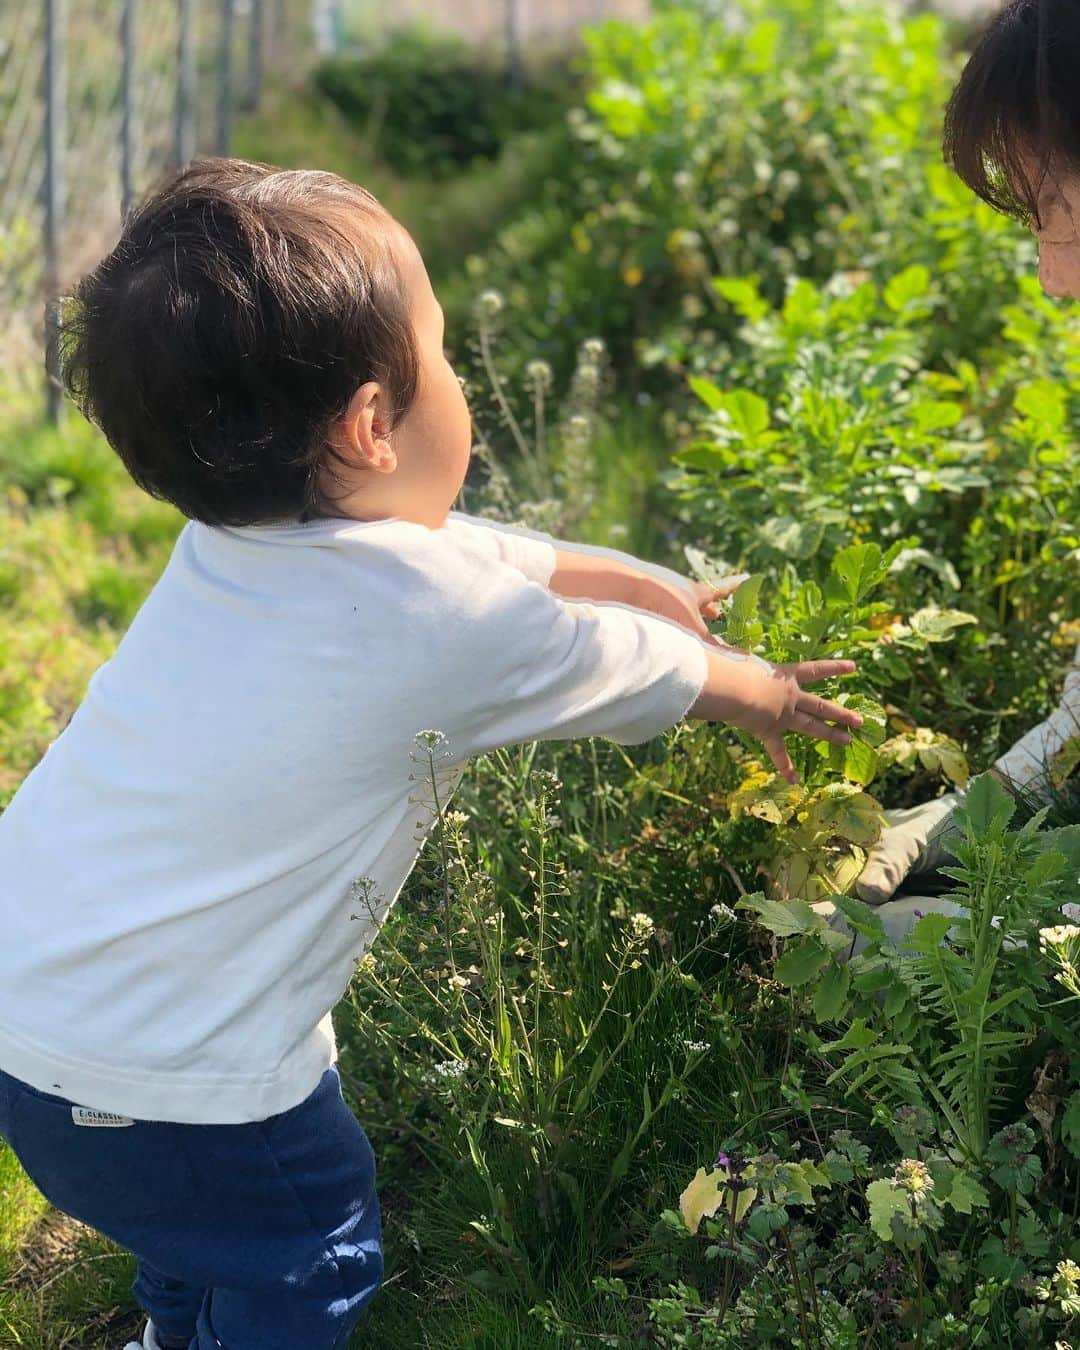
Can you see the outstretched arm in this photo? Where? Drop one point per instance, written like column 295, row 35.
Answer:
column 568, row 546
column 586, row 576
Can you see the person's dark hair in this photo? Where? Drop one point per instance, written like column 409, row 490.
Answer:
column 1014, row 116
column 240, row 311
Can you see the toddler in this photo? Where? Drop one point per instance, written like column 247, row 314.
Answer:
column 264, row 350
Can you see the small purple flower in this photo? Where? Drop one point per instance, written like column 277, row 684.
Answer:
column 722, row 1160
column 918, row 913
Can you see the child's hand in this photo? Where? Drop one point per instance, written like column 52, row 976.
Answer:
column 707, row 595
column 686, row 607
column 769, row 701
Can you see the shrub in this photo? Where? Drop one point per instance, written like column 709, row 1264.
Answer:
column 431, row 104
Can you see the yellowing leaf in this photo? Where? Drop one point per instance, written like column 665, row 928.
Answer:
column 854, row 816
column 1065, row 761
column 944, row 756
column 937, row 625
column 808, row 876
column 707, row 1193
column 766, row 796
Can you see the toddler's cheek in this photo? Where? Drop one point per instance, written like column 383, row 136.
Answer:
column 1059, row 269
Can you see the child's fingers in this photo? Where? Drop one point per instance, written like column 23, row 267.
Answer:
column 809, row 672
column 821, row 708
column 810, row 726
column 777, row 752
column 729, row 585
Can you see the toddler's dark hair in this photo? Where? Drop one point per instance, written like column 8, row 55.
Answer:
column 1015, row 112
column 240, row 311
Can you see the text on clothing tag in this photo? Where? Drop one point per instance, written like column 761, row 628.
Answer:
column 85, row 1115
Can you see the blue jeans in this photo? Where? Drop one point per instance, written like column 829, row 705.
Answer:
column 262, row 1236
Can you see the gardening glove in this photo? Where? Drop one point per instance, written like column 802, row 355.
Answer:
column 1029, row 764
column 916, row 839
column 913, row 841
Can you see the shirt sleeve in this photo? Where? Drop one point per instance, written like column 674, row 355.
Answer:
column 510, row 539
column 531, row 551
column 518, row 663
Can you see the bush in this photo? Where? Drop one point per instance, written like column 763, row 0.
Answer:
column 432, row 105
column 802, row 140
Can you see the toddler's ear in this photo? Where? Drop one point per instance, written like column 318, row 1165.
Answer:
column 359, row 434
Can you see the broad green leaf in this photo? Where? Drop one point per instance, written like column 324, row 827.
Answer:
column 930, row 931
column 857, row 1037
column 800, row 963
column 1065, row 840
column 743, row 295
column 749, row 413
column 784, row 918
column 860, row 762
column 966, row 1193
column 908, row 286
column 815, row 1173
column 986, row 802
column 1042, row 402
column 859, row 568
column 937, row 625
column 742, row 613
column 813, row 873
column 885, row 1200
column 802, row 308
column 802, row 1178
column 861, row 917
column 710, row 394
column 874, row 724
column 935, row 416
column 703, row 455
column 830, row 997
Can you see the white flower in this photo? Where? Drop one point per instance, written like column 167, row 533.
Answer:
column 641, row 926
column 539, row 374
column 490, row 303
column 1058, row 936
column 449, row 1071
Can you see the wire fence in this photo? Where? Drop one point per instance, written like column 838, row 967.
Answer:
column 98, row 98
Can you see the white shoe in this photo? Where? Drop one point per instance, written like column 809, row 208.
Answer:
column 148, row 1342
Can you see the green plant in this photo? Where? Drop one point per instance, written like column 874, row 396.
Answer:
column 430, row 104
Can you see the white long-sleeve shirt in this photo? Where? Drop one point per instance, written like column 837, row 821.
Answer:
column 176, row 874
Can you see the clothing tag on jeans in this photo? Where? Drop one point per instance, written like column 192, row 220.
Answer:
column 85, row 1115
